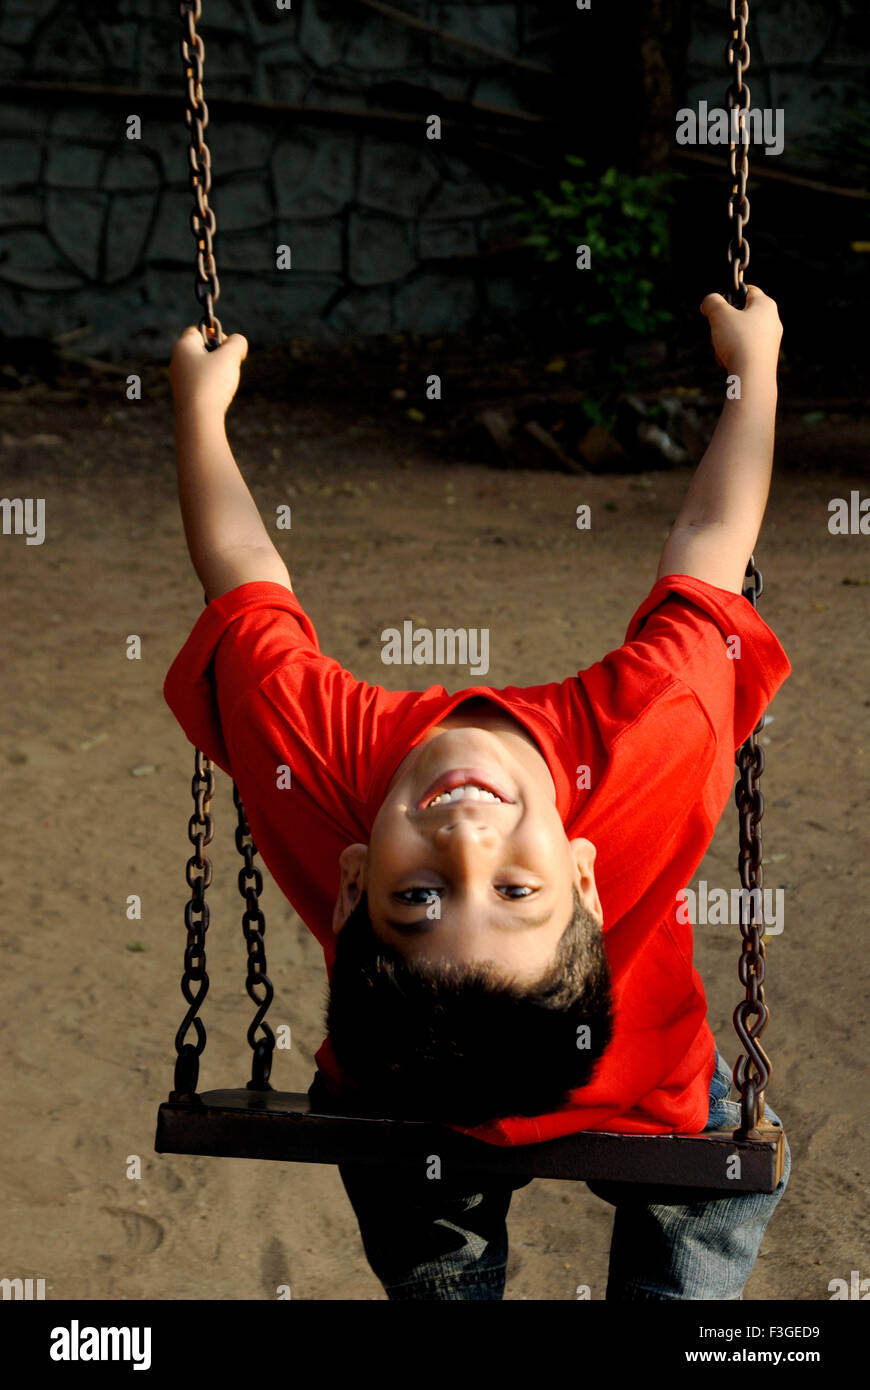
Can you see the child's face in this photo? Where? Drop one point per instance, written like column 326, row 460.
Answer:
column 472, row 879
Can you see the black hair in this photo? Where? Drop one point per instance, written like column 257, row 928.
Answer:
column 459, row 1044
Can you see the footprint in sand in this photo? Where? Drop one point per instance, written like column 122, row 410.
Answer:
column 171, row 1180
column 142, row 1234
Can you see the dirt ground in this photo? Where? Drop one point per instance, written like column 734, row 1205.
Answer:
column 96, row 803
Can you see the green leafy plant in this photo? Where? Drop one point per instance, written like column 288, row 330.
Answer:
column 623, row 219
column 599, row 411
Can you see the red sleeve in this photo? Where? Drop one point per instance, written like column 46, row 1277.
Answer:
column 254, row 657
column 237, row 641
column 717, row 644
column 670, row 707
column 253, row 690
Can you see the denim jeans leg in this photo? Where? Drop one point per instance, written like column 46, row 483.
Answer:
column 692, row 1247
column 444, row 1244
column 438, row 1240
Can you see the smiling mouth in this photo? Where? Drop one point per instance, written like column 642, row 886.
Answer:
column 461, row 785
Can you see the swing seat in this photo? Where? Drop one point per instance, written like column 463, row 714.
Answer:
column 281, row 1125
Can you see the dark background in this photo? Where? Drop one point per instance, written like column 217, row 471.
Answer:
column 317, row 119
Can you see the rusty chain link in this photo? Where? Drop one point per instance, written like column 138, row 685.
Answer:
column 200, row 826
column 200, row 829
column 752, row 1071
column 202, row 218
column 253, row 928
column 738, row 99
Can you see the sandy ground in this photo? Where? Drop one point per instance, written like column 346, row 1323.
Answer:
column 380, row 531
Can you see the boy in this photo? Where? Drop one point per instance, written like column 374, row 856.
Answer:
column 501, row 936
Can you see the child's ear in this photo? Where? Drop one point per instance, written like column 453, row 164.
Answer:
column 351, row 863
column 584, row 852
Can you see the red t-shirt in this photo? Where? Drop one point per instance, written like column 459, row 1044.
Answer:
column 657, row 721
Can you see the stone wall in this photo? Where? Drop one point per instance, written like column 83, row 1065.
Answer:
column 318, row 142
column 386, row 228
column 809, row 57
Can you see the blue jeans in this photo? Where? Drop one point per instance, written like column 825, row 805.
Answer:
column 449, row 1241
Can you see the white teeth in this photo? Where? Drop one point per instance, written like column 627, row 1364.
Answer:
column 467, row 793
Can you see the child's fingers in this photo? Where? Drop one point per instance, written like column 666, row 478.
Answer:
column 753, row 294
column 191, row 343
column 232, row 345
column 713, row 304
column 239, row 344
column 765, row 307
column 187, row 343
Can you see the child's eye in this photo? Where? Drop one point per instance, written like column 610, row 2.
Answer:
column 429, row 895
column 421, row 897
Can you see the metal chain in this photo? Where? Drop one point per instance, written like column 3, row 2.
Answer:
column 253, row 928
column 738, row 99
column 201, row 826
column 752, row 1071
column 202, row 218
column 200, row 829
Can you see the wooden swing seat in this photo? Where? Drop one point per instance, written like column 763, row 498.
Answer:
column 281, row 1125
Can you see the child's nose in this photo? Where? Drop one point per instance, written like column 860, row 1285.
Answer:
column 466, row 831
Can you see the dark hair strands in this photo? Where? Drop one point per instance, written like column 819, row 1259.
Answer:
column 462, row 1044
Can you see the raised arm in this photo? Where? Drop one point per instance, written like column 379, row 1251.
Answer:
column 719, row 521
column 228, row 543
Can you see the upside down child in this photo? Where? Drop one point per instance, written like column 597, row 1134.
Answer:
column 482, row 911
